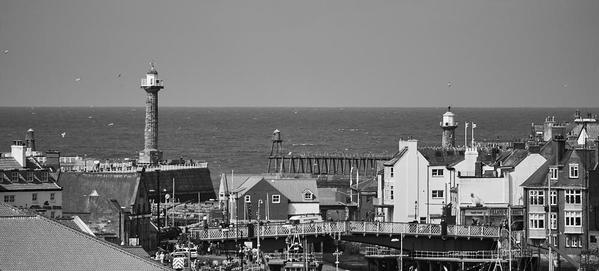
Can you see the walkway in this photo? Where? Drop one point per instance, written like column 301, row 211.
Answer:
column 345, row 228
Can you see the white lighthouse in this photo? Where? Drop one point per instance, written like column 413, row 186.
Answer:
column 448, row 124
column 151, row 84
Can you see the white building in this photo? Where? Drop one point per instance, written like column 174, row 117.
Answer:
column 26, row 184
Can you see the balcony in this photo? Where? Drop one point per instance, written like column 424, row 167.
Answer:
column 573, row 229
column 537, row 233
column 157, row 83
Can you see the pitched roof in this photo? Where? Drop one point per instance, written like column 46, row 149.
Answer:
column 396, row 157
column 77, row 186
column 293, row 188
column 7, row 163
column 584, row 158
column 331, row 197
column 512, row 158
column 58, row 247
column 441, row 157
column 236, row 180
column 29, row 186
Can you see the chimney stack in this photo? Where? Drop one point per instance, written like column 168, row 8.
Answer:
column 53, row 159
column 560, row 147
column 17, row 151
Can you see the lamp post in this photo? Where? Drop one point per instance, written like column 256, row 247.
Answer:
column 416, row 210
column 258, row 227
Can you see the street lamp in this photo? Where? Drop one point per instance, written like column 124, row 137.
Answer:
column 416, row 210
column 400, row 250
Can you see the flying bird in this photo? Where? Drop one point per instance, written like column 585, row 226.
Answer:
column 119, row 75
column 63, row 134
column 77, row 79
column 449, row 84
column 5, row 51
column 111, row 124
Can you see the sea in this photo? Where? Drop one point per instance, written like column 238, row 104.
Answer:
column 239, row 138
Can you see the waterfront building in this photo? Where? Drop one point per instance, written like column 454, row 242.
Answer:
column 33, row 242
column 27, row 183
column 557, row 199
column 484, row 197
column 114, row 205
column 268, row 197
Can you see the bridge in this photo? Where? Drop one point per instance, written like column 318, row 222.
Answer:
column 326, row 163
column 346, row 229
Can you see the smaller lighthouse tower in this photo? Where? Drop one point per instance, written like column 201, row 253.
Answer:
column 151, row 84
column 448, row 124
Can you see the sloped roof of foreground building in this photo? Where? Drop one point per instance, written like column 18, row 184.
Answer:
column 34, row 242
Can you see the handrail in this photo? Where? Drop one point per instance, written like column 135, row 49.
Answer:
column 356, row 227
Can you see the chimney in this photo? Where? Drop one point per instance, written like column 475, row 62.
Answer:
column 560, row 147
column 30, row 142
column 18, row 151
column 53, row 159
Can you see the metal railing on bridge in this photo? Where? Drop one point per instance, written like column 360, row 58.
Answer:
column 346, row 228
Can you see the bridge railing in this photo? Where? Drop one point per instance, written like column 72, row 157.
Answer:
column 347, row 227
column 472, row 231
column 219, row 234
column 479, row 254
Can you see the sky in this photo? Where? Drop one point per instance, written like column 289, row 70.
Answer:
column 338, row 53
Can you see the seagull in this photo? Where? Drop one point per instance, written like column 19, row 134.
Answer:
column 119, row 75
column 77, row 79
column 5, row 52
column 63, row 134
column 111, row 124
column 449, row 84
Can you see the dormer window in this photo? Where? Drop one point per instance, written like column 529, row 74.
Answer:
column 15, row 177
column 308, row 195
column 29, row 177
column 573, row 170
column 44, row 176
column 553, row 173
column 248, row 199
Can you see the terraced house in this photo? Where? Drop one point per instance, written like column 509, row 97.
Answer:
column 557, row 198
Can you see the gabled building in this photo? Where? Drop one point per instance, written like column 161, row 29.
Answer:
column 116, row 206
column 26, row 183
column 268, row 197
column 557, row 198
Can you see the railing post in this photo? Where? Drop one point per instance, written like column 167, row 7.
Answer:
column 469, row 227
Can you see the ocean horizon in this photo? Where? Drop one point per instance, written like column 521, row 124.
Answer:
column 239, row 138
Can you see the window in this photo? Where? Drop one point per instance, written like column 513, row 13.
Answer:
column 573, row 240
column 45, row 176
column 553, row 173
column 391, row 171
column 34, row 197
column 536, row 221
column 52, row 196
column 276, row 198
column 29, row 177
column 573, row 219
column 553, row 197
column 573, row 170
column 553, row 221
column 15, row 177
column 52, row 214
column 248, row 199
column 308, row 195
column 437, row 172
column 573, row 197
column 391, row 194
column 536, row 197
column 9, row 198
column 437, row 194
